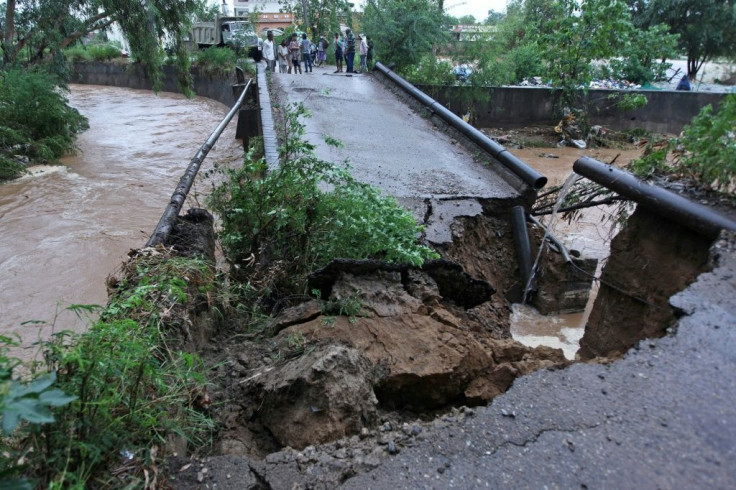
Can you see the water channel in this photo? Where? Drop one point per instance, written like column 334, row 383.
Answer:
column 590, row 235
column 66, row 228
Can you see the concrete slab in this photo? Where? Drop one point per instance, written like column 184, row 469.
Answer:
column 387, row 144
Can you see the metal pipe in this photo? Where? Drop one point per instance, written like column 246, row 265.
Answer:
column 500, row 153
column 166, row 223
column 563, row 250
column 697, row 217
column 523, row 246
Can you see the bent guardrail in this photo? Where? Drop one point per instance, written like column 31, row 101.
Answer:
column 697, row 217
column 166, row 223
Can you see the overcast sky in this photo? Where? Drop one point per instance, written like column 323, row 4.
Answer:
column 477, row 8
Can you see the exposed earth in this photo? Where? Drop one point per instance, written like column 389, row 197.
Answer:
column 408, row 378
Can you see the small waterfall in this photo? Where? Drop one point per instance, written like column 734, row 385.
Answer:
column 564, row 191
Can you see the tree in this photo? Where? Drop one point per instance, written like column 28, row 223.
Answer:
column 36, row 31
column 404, row 30
column 706, row 28
column 494, row 17
column 466, row 20
column 322, row 16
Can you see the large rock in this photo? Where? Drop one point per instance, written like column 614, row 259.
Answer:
column 322, row 395
column 427, row 353
column 423, row 362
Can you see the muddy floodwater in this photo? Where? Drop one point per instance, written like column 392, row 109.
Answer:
column 590, row 235
column 66, row 228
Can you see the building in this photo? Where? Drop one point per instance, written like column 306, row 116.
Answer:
column 268, row 11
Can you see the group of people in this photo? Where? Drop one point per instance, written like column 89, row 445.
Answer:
column 293, row 50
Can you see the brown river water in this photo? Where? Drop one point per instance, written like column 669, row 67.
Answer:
column 589, row 235
column 66, row 228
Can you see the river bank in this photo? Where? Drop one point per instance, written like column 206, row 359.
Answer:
column 68, row 227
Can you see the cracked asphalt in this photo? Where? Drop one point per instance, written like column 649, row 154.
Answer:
column 392, row 147
column 662, row 417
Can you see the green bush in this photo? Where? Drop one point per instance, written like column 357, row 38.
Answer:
column 128, row 386
column 77, row 53
column 36, row 121
column 705, row 153
column 431, row 71
column 280, row 225
column 104, row 52
column 216, row 61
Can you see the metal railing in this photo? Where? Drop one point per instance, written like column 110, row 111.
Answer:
column 166, row 223
column 527, row 174
column 697, row 217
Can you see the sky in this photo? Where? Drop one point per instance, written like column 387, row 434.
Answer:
column 477, row 8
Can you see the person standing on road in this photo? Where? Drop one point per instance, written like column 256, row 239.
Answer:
column 321, row 50
column 307, row 53
column 284, row 65
column 338, row 53
column 363, row 54
column 269, row 52
column 349, row 51
column 294, row 49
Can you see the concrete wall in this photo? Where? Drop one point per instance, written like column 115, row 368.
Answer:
column 133, row 76
column 509, row 107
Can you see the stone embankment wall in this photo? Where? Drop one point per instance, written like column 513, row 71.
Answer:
column 133, row 75
column 509, row 107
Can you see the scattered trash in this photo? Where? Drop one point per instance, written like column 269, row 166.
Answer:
column 613, row 84
column 533, row 82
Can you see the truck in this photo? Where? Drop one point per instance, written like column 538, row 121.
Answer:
column 234, row 32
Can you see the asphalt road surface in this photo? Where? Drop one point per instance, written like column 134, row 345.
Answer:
column 664, row 417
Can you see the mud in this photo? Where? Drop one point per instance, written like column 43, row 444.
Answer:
column 651, row 259
column 384, row 346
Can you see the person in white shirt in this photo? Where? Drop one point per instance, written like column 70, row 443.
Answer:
column 363, row 54
column 269, row 51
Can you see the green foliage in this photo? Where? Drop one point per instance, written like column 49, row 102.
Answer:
column 104, row 52
column 640, row 58
column 403, row 32
column 76, row 53
column 36, row 123
column 431, row 71
column 629, row 102
column 96, row 52
column 216, row 61
column 525, row 61
column 706, row 152
column 131, row 387
column 323, row 16
column 710, row 145
column 559, row 40
column 279, row 225
column 31, row 401
column 576, row 35
column 38, row 32
column 706, row 28
column 27, row 400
